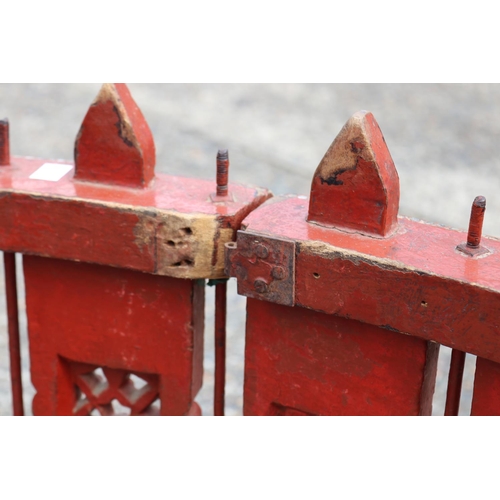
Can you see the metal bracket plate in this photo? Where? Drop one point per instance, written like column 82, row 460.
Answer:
column 264, row 267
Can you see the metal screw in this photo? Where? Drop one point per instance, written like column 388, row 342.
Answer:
column 476, row 222
column 4, row 142
column 260, row 286
column 261, row 251
column 222, row 172
column 279, row 272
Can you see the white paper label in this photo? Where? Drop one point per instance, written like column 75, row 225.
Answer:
column 51, row 172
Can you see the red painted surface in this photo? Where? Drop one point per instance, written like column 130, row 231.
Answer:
column 414, row 281
column 220, row 348
column 124, row 322
column 371, row 295
column 455, row 377
column 58, row 219
column 107, row 338
column 356, row 185
column 301, row 362
column 114, row 144
column 485, row 399
column 182, row 194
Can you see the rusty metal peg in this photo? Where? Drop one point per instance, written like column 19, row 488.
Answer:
column 473, row 246
column 222, row 172
column 222, row 178
column 4, row 143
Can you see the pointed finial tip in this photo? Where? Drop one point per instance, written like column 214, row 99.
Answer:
column 126, row 153
column 356, row 185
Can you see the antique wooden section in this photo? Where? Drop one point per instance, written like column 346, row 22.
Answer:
column 348, row 303
column 171, row 229
column 113, row 319
column 115, row 263
column 389, row 296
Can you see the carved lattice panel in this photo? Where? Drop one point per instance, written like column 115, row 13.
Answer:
column 111, row 392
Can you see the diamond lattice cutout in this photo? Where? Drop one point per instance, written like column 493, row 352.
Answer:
column 110, row 392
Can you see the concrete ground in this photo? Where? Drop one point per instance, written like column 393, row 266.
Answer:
column 443, row 139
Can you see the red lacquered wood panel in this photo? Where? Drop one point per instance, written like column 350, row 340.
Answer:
column 82, row 317
column 301, row 362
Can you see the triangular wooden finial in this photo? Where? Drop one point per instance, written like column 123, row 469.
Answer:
column 114, row 144
column 356, row 185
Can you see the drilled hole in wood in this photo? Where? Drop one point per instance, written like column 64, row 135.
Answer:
column 316, row 275
column 185, row 262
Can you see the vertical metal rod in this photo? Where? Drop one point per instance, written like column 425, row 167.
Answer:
column 13, row 322
column 222, row 172
column 220, row 348
column 455, row 378
column 4, row 142
column 476, row 222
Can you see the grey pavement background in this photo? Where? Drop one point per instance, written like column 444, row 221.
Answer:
column 443, row 139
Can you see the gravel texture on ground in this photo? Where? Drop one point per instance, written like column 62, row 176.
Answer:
column 442, row 137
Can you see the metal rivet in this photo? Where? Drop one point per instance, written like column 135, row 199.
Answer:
column 260, row 286
column 279, row 272
column 261, row 251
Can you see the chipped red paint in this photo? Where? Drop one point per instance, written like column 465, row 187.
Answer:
column 356, row 185
column 114, row 144
column 68, row 207
column 115, row 262
column 358, row 267
column 416, row 270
